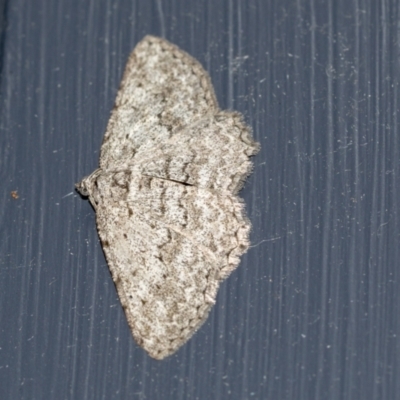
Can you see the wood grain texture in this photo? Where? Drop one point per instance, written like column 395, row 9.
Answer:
column 312, row 312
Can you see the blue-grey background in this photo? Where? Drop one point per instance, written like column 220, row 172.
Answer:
column 312, row 312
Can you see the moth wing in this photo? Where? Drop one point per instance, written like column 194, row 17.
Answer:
column 212, row 153
column 163, row 89
column 168, row 247
column 213, row 221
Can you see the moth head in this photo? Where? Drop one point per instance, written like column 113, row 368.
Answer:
column 86, row 185
column 82, row 187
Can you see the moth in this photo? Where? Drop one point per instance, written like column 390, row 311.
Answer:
column 170, row 221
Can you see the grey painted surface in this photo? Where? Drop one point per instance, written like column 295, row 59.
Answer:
column 313, row 310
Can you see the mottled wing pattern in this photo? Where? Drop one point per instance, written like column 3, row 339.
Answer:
column 163, row 89
column 171, row 225
column 212, row 153
column 168, row 247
